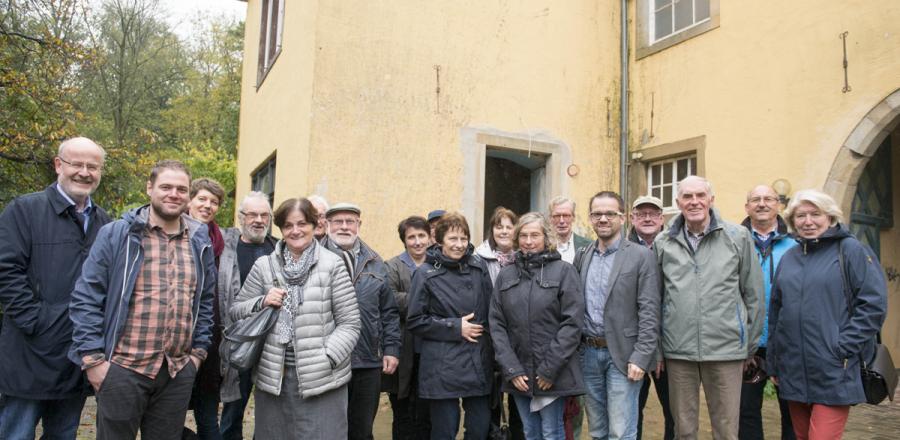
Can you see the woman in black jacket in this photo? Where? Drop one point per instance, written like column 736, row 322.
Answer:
column 448, row 314
column 828, row 301
column 536, row 316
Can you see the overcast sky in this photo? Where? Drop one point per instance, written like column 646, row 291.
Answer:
column 180, row 12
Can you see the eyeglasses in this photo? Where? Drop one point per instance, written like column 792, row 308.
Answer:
column 532, row 237
column 768, row 199
column 643, row 215
column 345, row 221
column 608, row 214
column 90, row 167
column 562, row 216
column 264, row 216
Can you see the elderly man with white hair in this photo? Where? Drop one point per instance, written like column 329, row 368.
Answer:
column 712, row 313
column 243, row 246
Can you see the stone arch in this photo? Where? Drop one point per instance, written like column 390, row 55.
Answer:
column 859, row 147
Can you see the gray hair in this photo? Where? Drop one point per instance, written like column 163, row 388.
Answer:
column 816, row 198
column 254, row 195
column 561, row 200
column 316, row 199
column 550, row 239
column 692, row 178
column 65, row 144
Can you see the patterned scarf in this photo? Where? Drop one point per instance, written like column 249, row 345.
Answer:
column 505, row 258
column 295, row 272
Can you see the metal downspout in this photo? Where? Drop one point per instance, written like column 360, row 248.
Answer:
column 623, row 105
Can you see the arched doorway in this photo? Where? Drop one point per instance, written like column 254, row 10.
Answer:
column 865, row 180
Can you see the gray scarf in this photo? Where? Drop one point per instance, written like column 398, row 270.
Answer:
column 295, row 272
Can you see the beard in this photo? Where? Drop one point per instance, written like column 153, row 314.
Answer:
column 253, row 235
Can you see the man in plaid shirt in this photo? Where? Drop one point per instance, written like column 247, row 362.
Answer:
column 142, row 312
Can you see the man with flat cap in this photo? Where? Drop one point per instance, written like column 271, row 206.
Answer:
column 378, row 348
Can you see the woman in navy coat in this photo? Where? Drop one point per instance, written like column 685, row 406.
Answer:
column 823, row 317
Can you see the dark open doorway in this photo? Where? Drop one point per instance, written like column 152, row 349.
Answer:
column 513, row 179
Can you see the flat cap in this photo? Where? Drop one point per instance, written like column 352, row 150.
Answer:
column 436, row 214
column 647, row 200
column 342, row 207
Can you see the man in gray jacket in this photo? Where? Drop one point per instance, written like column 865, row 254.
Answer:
column 621, row 322
column 243, row 246
column 713, row 309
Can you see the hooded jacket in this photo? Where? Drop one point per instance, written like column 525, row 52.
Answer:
column 537, row 311
column 769, row 258
column 816, row 341
column 713, row 296
column 42, row 249
column 443, row 291
column 102, row 296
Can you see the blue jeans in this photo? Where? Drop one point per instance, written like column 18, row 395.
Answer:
column 546, row 424
column 206, row 413
column 445, row 418
column 19, row 417
column 232, row 425
column 612, row 399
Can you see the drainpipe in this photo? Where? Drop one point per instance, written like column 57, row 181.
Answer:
column 623, row 105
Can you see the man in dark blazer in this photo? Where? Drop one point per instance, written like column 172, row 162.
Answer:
column 621, row 322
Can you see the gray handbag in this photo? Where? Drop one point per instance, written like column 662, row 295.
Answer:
column 246, row 338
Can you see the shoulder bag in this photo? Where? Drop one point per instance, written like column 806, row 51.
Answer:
column 247, row 337
column 879, row 377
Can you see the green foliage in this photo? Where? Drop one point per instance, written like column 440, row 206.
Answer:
column 122, row 77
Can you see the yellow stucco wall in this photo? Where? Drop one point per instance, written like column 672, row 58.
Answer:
column 356, row 83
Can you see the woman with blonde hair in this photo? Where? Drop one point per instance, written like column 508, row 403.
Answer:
column 536, row 316
column 829, row 299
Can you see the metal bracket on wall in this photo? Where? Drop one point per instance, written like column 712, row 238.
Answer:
column 843, row 37
column 609, row 128
column 437, row 89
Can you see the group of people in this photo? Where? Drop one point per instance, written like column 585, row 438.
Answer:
column 538, row 321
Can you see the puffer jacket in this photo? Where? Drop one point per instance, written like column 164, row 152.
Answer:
column 537, row 310
column 713, row 297
column 325, row 329
column 769, row 259
column 443, row 291
column 816, row 343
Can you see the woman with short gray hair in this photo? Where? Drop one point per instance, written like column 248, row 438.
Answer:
column 829, row 299
column 536, row 315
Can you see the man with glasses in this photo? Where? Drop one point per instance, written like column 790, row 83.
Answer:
column 243, row 246
column 562, row 217
column 378, row 349
column 321, row 205
column 713, row 310
column 646, row 223
column 771, row 240
column 44, row 239
column 621, row 320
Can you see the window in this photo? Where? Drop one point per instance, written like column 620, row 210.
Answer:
column 263, row 179
column 270, row 30
column 670, row 17
column 664, row 175
column 665, row 23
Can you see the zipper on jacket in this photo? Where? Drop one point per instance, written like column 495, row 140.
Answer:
column 200, row 287
column 115, row 325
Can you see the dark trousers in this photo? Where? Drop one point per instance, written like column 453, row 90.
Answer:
column 233, row 412
column 751, row 425
column 445, row 418
column 411, row 418
column 128, row 401
column 206, row 413
column 363, row 393
column 662, row 392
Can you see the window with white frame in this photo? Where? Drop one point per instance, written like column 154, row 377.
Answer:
column 671, row 17
column 270, row 30
column 664, row 175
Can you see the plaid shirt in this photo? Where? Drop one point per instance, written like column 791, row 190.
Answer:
column 160, row 320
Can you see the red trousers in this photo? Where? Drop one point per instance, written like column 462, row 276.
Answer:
column 813, row 421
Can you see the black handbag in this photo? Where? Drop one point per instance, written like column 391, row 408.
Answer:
column 246, row 338
column 879, row 377
column 501, row 431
